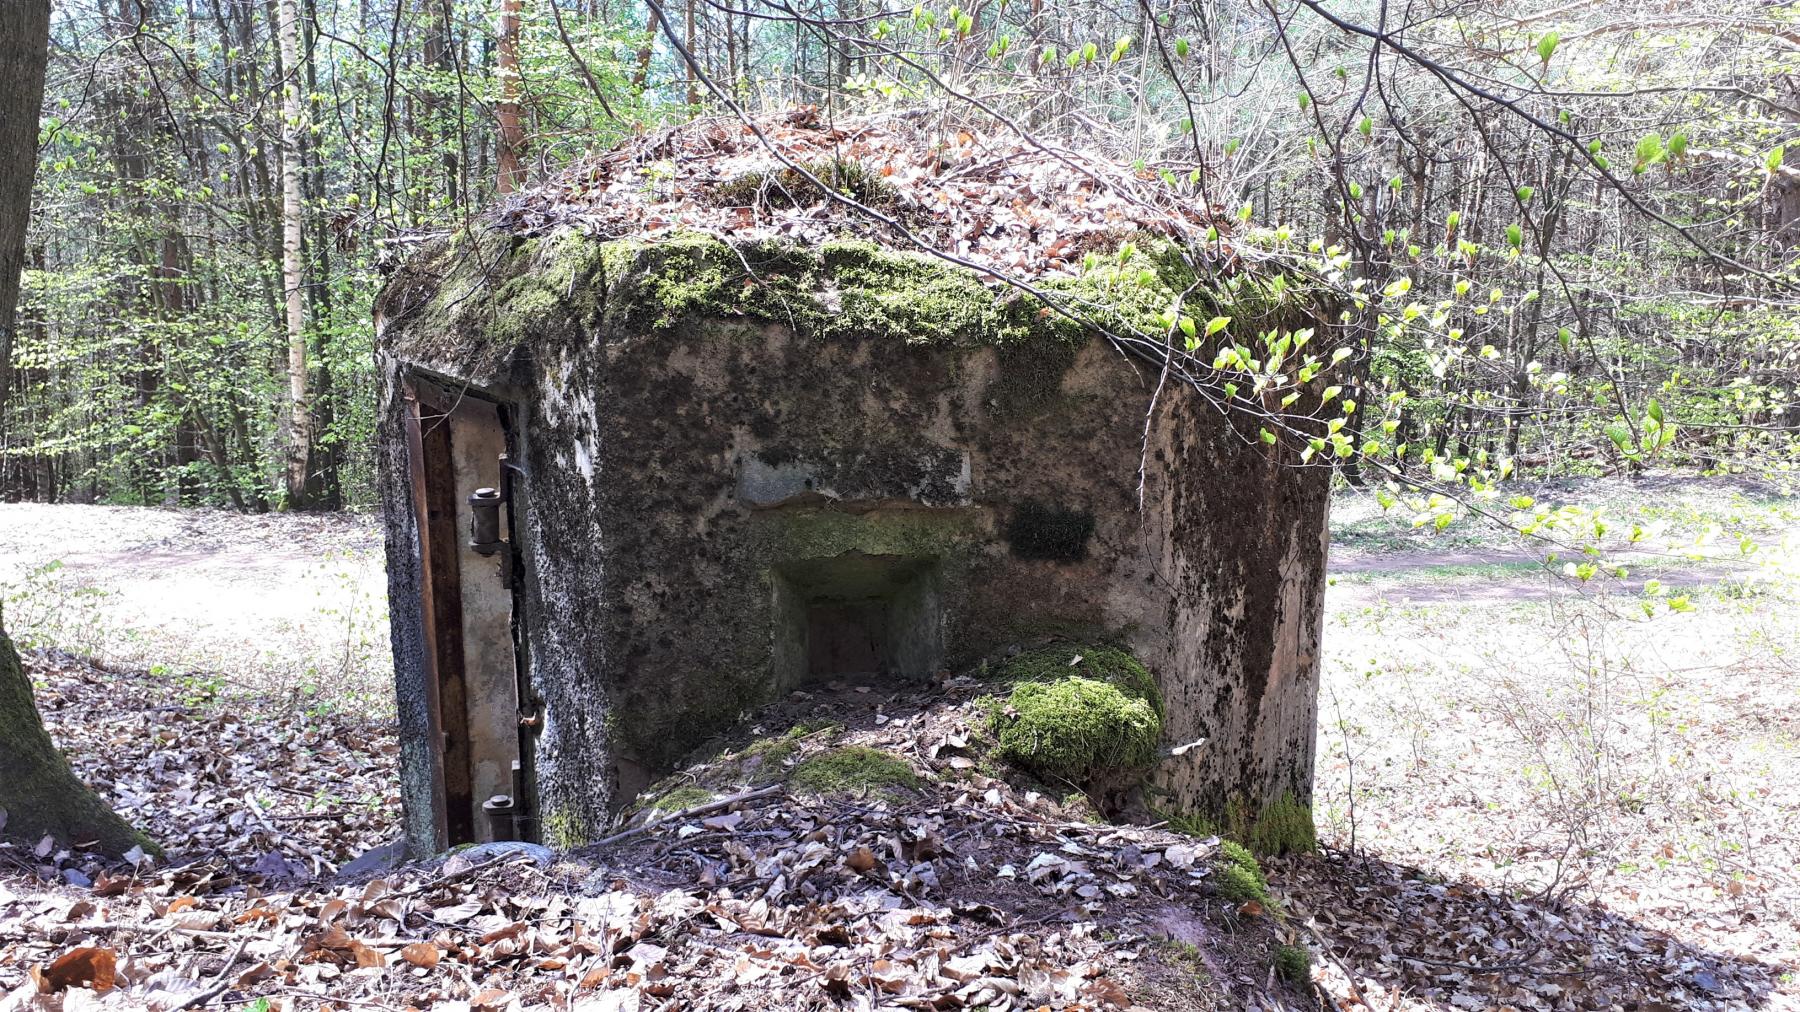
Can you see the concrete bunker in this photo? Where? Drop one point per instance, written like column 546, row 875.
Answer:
column 735, row 470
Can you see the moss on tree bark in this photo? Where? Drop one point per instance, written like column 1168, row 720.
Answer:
column 39, row 793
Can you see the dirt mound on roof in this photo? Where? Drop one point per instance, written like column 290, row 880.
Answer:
column 992, row 199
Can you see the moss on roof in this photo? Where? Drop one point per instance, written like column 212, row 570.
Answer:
column 473, row 302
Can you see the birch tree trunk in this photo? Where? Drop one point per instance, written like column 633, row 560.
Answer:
column 293, row 133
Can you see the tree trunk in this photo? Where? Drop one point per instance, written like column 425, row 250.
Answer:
column 512, row 139
column 693, row 83
column 640, row 76
column 293, row 132
column 39, row 795
column 38, row 792
column 24, row 49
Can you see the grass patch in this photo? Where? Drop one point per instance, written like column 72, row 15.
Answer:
column 854, row 769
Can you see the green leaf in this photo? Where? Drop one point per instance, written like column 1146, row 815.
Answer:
column 1267, row 436
column 1515, row 236
column 1655, row 411
column 1181, row 48
column 1546, row 47
column 1367, row 126
column 1216, row 324
column 1678, row 142
column 1775, row 158
column 1525, row 193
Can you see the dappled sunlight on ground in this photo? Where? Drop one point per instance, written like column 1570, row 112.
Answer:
column 285, row 604
column 1494, row 726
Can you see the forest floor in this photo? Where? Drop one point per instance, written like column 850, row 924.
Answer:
column 1533, row 792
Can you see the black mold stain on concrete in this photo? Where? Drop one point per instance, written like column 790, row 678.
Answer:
column 1049, row 533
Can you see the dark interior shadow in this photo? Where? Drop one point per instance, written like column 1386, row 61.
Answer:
column 1462, row 945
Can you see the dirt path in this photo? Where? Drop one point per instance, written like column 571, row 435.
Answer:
column 284, row 602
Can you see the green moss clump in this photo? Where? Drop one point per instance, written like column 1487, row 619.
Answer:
column 1100, row 663
column 772, row 751
column 1285, row 826
column 1076, row 729
column 854, row 769
column 921, row 301
column 1293, row 964
column 563, row 830
column 1237, row 876
column 1190, row 823
column 1239, row 885
column 681, row 798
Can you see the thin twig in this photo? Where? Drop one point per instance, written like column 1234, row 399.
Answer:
column 688, row 813
column 219, row 985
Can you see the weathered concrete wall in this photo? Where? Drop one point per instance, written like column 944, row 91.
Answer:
column 706, row 451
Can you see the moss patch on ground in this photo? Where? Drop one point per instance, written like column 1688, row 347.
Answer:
column 1090, row 716
column 1101, row 663
column 785, row 187
column 1075, row 729
column 681, row 799
column 854, row 769
column 1237, row 876
column 1293, row 964
column 1284, row 826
